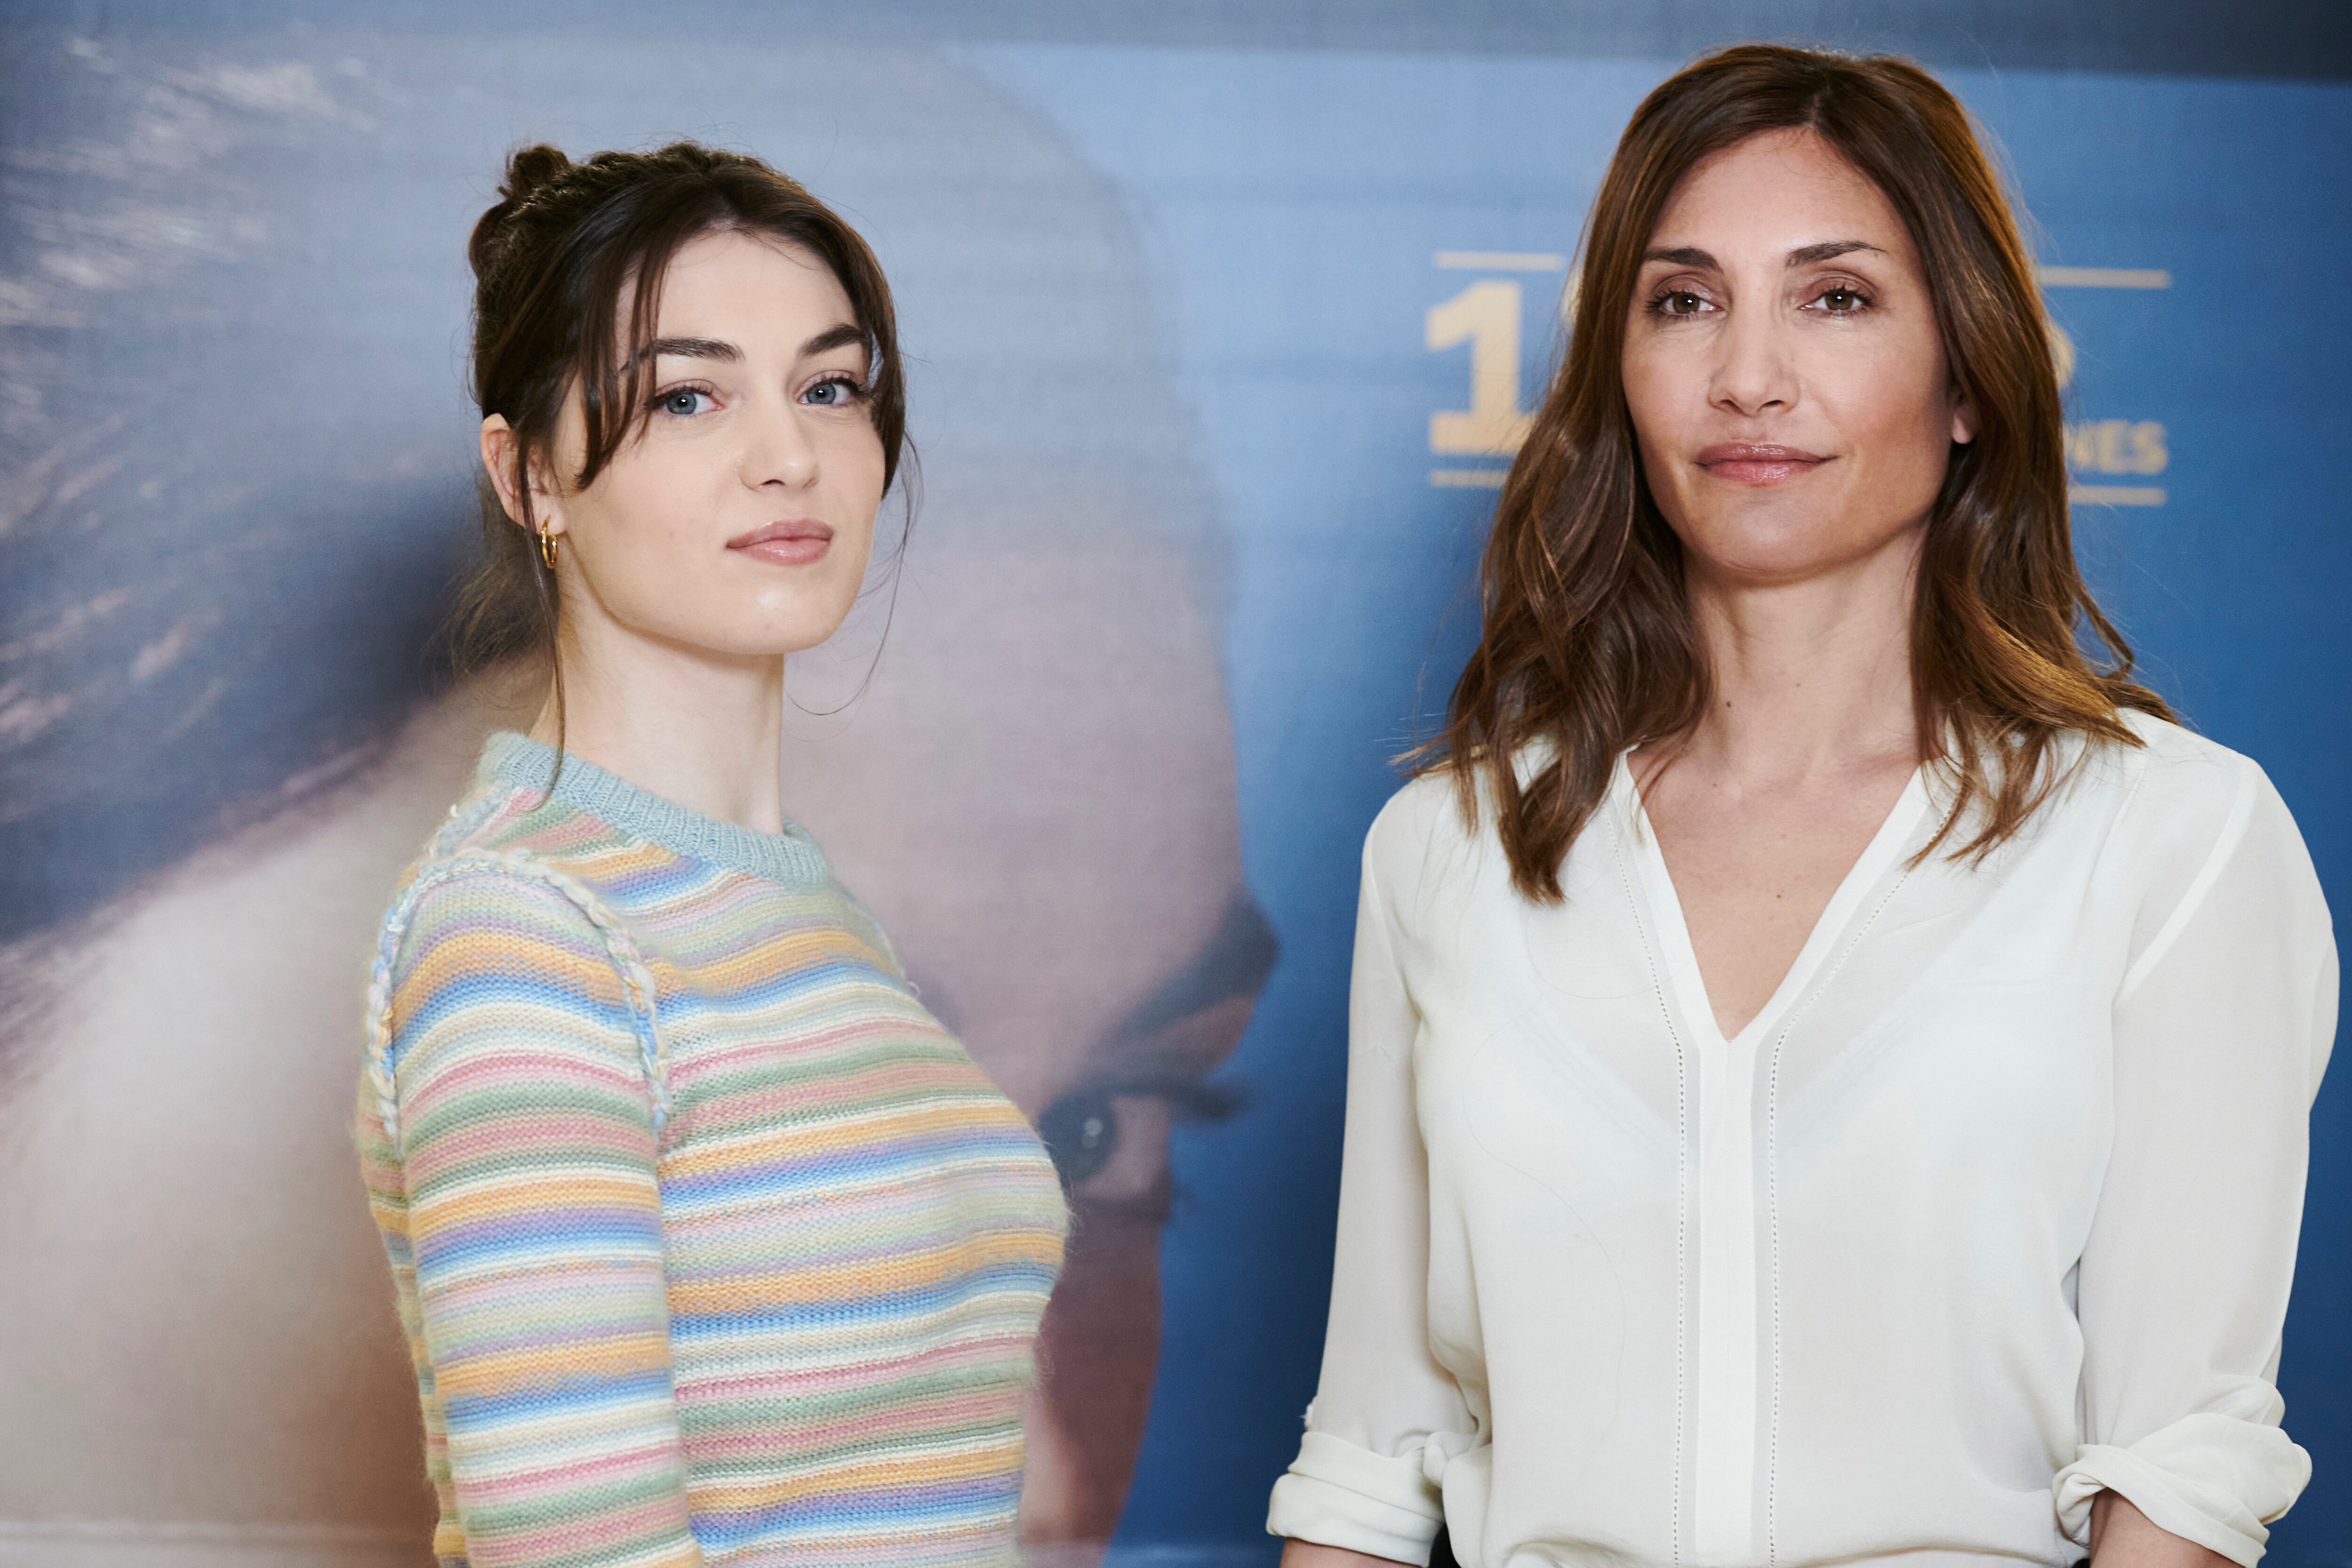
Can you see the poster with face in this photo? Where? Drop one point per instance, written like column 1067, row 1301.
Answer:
column 237, row 384
column 1217, row 332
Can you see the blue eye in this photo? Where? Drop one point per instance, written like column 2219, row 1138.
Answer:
column 682, row 402
column 834, row 392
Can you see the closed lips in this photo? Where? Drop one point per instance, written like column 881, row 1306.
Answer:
column 795, row 542
column 1752, row 463
column 1744, row 452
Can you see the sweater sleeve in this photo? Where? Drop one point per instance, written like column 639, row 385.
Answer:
column 2222, row 1025
column 1386, row 1415
column 524, row 1129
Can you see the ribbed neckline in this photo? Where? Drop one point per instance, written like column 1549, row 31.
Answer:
column 790, row 857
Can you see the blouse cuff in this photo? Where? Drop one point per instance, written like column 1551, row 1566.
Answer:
column 1337, row 1494
column 2213, row 1479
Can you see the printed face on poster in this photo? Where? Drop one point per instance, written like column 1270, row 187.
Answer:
column 243, row 386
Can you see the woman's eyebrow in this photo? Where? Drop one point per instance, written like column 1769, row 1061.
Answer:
column 844, row 336
column 1803, row 255
column 692, row 348
column 1683, row 255
column 1828, row 250
column 840, row 336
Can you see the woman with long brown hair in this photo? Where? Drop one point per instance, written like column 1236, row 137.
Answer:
column 1830, row 1060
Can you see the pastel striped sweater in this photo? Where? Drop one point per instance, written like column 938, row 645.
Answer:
column 712, row 1246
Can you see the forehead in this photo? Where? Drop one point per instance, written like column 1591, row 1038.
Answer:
column 734, row 285
column 1776, row 190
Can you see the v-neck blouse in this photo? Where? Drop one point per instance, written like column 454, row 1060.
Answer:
column 1885, row 846
column 1993, row 1205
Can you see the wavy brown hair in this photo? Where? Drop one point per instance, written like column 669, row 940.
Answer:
column 1588, row 647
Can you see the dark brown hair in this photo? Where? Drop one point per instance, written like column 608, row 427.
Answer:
column 551, row 261
column 1588, row 647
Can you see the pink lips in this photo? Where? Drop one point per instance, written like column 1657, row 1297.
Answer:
column 794, row 542
column 1751, row 463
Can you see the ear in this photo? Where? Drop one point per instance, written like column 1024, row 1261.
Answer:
column 1964, row 419
column 500, row 445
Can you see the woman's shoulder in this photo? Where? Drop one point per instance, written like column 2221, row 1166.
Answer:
column 1430, row 846
column 2177, row 782
column 494, row 900
column 2175, row 753
column 486, row 855
column 485, row 892
column 516, row 845
column 2185, row 804
column 1425, row 811
column 492, row 938
column 1433, row 808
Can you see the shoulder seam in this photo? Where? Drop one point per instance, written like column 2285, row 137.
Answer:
column 2234, row 830
column 2142, row 759
column 637, row 981
column 465, row 819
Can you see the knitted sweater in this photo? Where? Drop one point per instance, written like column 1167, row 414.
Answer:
column 712, row 1246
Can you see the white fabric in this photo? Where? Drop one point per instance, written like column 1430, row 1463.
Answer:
column 1992, row 1207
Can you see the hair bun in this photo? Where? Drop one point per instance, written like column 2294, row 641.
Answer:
column 530, row 170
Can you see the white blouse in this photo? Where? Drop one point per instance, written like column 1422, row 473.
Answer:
column 1992, row 1207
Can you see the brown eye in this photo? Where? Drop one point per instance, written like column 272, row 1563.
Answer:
column 1680, row 303
column 1841, row 301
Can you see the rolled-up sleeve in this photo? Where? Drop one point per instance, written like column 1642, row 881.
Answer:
column 1366, row 1475
column 2222, row 1026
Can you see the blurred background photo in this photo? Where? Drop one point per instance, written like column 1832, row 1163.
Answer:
column 1221, row 324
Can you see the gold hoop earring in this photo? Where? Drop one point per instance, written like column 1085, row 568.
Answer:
column 546, row 548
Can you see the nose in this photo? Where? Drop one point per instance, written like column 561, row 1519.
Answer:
column 1757, row 371
column 777, row 449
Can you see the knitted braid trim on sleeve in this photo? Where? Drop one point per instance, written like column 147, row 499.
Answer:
column 637, row 981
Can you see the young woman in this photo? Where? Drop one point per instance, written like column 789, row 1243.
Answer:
column 1830, row 1063
column 711, row 1244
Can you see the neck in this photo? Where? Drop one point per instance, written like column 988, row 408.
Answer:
column 1809, row 678
column 695, row 727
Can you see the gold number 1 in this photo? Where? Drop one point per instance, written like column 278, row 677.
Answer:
column 1486, row 316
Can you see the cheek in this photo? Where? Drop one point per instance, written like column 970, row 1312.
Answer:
column 1890, row 405
column 648, row 550
column 1661, row 398
column 1649, row 392
column 644, row 506
column 852, row 461
column 625, row 535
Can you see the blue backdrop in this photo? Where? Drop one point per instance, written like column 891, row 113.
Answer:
column 1301, row 235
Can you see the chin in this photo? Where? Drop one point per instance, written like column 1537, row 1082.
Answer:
column 1770, row 555
column 1754, row 551
column 753, row 638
